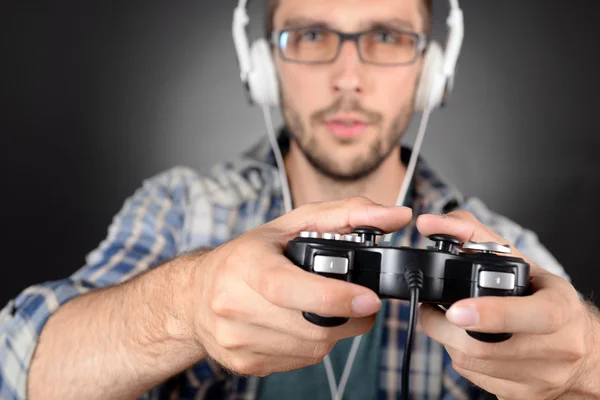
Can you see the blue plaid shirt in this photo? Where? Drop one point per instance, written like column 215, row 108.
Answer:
column 179, row 210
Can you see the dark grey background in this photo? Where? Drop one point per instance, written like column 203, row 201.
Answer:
column 97, row 97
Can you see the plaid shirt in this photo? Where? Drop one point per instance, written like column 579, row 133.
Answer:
column 180, row 210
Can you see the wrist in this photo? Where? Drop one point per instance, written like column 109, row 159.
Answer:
column 169, row 321
column 588, row 385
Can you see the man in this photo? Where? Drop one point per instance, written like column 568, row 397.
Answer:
column 190, row 295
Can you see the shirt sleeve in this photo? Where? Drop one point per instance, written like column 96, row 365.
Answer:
column 143, row 234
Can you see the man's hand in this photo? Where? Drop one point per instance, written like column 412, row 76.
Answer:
column 248, row 301
column 554, row 351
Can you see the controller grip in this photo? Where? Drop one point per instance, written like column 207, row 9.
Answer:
column 324, row 321
column 490, row 337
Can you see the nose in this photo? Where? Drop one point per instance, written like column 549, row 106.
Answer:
column 347, row 75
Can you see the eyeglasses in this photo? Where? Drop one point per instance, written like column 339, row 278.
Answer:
column 319, row 46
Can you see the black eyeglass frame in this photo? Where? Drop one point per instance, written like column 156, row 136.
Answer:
column 420, row 38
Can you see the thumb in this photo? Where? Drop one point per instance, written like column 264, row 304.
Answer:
column 342, row 216
column 466, row 227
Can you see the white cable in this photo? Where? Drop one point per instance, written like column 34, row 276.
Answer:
column 399, row 201
column 348, row 367
column 413, row 159
column 285, row 188
column 338, row 393
column 330, row 377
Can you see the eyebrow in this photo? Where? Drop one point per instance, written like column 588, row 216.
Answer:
column 304, row 22
column 393, row 23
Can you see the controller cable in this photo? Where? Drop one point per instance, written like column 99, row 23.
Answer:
column 414, row 279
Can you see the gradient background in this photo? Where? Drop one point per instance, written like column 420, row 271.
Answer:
column 95, row 97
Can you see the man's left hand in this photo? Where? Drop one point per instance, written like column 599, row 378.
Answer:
column 555, row 348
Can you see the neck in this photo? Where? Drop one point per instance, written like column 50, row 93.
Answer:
column 308, row 185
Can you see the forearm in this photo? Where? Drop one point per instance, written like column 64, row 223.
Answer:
column 117, row 342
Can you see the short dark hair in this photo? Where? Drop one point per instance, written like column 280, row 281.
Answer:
column 271, row 6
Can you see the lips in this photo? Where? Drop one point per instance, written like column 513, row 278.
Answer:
column 346, row 127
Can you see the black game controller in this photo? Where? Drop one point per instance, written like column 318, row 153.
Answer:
column 451, row 270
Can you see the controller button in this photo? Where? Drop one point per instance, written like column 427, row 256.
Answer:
column 328, row 236
column 307, row 234
column 445, row 243
column 497, row 280
column 444, row 239
column 349, row 238
column 368, row 230
column 367, row 234
column 331, row 265
column 487, row 247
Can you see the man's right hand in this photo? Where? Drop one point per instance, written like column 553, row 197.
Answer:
column 246, row 306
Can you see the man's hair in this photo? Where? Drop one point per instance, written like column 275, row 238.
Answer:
column 271, row 6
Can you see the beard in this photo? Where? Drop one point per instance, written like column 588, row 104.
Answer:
column 361, row 166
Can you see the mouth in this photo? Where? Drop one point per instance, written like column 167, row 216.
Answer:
column 346, row 127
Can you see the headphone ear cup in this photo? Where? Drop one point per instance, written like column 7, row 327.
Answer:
column 432, row 81
column 262, row 79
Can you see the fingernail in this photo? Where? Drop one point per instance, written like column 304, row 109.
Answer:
column 365, row 305
column 463, row 316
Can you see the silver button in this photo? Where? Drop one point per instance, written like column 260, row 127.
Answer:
column 337, row 236
column 328, row 235
column 487, row 247
column 497, row 280
column 307, row 234
column 331, row 265
column 349, row 238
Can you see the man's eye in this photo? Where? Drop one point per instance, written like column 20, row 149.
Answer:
column 312, row 36
column 385, row 37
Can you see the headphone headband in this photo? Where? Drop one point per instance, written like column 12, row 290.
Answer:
column 456, row 33
column 257, row 71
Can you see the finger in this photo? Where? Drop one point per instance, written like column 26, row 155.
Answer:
column 518, row 347
column 546, row 311
column 289, row 286
column 342, row 217
column 291, row 322
column 536, row 373
column 240, row 303
column 500, row 387
column 506, row 369
column 256, row 364
column 464, row 226
column 285, row 364
column 234, row 336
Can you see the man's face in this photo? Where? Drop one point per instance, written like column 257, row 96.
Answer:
column 347, row 116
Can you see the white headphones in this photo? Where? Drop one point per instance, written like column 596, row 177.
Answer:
column 257, row 70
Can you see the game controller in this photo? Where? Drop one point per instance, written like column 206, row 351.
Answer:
column 451, row 270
